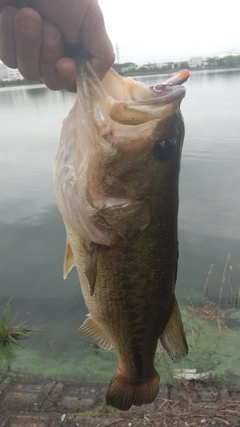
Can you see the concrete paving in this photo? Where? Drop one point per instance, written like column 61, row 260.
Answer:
column 35, row 402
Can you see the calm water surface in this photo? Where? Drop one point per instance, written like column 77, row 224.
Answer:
column 32, row 235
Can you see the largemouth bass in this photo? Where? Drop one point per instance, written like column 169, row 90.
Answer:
column 116, row 182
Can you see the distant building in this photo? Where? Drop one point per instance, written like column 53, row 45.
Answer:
column 230, row 53
column 3, row 71
column 159, row 65
column 8, row 73
column 129, row 67
column 195, row 61
column 167, row 65
column 14, row 74
column 184, row 61
column 150, row 66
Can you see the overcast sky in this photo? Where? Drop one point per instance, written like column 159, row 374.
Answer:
column 154, row 30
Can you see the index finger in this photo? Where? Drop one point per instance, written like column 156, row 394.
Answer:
column 94, row 39
column 104, row 57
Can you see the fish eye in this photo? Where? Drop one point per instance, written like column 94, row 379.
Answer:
column 164, row 149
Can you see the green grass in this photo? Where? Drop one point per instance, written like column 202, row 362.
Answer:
column 213, row 346
column 10, row 335
column 212, row 331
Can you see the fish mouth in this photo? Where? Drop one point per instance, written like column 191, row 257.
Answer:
column 172, row 88
column 128, row 89
column 176, row 79
column 160, row 106
column 134, row 103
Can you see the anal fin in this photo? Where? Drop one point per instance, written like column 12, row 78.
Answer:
column 69, row 261
column 173, row 338
column 91, row 331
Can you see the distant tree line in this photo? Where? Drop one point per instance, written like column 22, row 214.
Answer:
column 19, row 82
column 228, row 61
column 129, row 68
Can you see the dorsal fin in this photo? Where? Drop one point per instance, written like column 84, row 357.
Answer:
column 69, row 261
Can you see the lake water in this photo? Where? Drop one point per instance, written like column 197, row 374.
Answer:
column 32, row 235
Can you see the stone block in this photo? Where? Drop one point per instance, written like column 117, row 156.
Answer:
column 163, row 392
column 144, row 409
column 224, row 394
column 20, row 401
column 32, row 420
column 4, row 387
column 82, row 391
column 209, row 396
column 93, row 422
column 53, row 398
column 27, row 396
column 74, row 404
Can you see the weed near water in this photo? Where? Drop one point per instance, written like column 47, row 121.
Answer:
column 10, row 335
column 212, row 329
column 227, row 284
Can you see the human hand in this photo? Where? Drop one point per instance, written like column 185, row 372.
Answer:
column 39, row 36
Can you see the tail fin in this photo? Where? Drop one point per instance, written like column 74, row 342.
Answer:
column 123, row 393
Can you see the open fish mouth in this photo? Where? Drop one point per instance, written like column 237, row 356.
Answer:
column 176, row 79
column 134, row 103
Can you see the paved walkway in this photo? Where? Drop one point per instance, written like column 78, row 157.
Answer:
column 34, row 402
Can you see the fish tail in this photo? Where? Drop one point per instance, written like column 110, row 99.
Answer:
column 123, row 393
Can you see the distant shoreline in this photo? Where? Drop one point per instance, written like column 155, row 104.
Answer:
column 27, row 84
column 191, row 70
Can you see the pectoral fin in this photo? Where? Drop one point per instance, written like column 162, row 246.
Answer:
column 91, row 331
column 68, row 262
column 91, row 265
column 173, row 337
column 127, row 219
